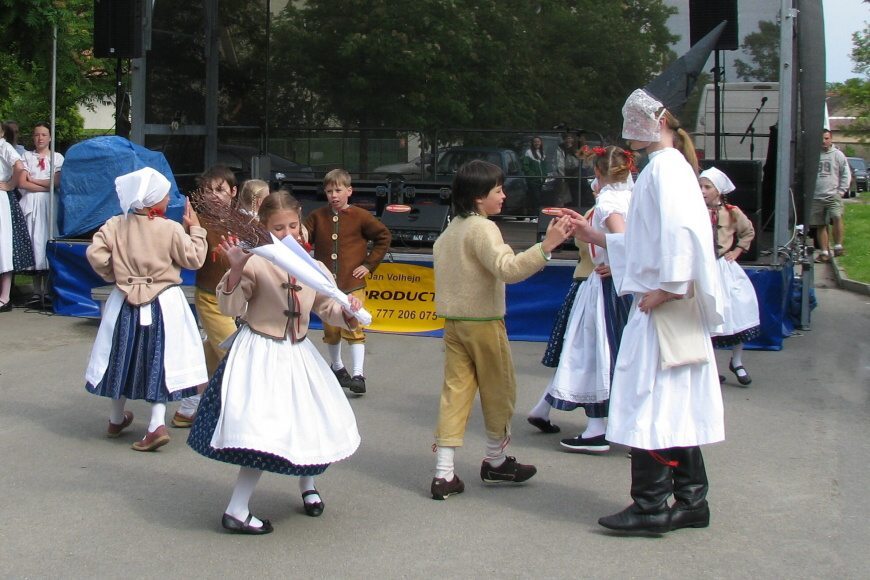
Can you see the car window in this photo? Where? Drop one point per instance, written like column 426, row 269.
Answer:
column 857, row 163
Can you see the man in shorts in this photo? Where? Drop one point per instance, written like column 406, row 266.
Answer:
column 832, row 185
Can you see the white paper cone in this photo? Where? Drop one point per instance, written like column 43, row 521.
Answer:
column 288, row 255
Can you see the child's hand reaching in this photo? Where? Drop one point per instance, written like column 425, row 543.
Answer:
column 190, row 218
column 236, row 256
column 355, row 304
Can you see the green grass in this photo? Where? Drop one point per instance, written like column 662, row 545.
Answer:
column 856, row 261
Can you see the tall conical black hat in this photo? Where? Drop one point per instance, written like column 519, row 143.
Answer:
column 673, row 85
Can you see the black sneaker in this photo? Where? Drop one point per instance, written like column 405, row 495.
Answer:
column 357, row 384
column 591, row 445
column 343, row 377
column 508, row 472
column 442, row 489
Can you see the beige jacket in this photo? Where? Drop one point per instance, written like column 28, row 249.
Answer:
column 274, row 305
column 733, row 223
column 472, row 265
column 144, row 256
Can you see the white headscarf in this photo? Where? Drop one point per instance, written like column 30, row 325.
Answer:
column 141, row 188
column 641, row 116
column 719, row 180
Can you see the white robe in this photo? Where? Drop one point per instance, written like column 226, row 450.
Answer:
column 667, row 245
column 36, row 207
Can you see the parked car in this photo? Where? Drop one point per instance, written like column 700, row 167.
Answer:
column 238, row 159
column 515, row 186
column 860, row 177
column 417, row 169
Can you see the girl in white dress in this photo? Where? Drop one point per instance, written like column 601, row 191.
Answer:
column 597, row 317
column 36, row 199
column 732, row 233
column 273, row 404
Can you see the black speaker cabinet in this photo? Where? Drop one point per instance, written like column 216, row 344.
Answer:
column 119, row 28
column 705, row 15
column 746, row 176
column 422, row 224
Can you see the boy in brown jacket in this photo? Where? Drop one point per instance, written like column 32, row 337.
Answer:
column 340, row 234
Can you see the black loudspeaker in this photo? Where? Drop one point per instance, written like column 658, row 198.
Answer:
column 705, row 15
column 119, row 28
column 746, row 176
column 422, row 224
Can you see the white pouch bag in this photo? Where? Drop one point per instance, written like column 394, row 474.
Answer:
column 682, row 340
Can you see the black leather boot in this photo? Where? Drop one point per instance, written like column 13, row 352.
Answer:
column 651, row 485
column 690, row 490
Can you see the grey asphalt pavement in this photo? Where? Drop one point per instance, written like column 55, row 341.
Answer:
column 788, row 491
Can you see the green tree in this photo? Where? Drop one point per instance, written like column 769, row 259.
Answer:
column 25, row 64
column 463, row 63
column 857, row 90
column 763, row 49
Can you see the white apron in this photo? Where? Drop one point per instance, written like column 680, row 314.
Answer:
column 741, row 303
column 6, row 263
column 183, row 357
column 283, row 399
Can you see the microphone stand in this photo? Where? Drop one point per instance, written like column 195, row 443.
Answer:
column 750, row 130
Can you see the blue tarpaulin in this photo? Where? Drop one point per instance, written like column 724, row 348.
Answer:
column 87, row 197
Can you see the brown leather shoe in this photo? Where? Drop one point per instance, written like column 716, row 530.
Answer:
column 442, row 489
column 182, row 421
column 154, row 439
column 115, row 429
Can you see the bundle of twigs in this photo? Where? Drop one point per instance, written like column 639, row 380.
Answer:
column 212, row 210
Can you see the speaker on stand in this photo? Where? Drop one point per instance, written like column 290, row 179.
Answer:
column 119, row 28
column 421, row 225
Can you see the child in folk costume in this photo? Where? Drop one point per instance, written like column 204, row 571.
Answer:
column 274, row 403
column 252, row 194
column 598, row 315
column 665, row 399
column 540, row 415
column 148, row 345
column 472, row 265
column 16, row 251
column 732, row 233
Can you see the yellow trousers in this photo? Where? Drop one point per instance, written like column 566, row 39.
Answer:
column 334, row 334
column 477, row 357
column 218, row 327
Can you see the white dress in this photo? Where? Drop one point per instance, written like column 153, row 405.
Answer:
column 583, row 373
column 741, row 304
column 36, row 205
column 667, row 245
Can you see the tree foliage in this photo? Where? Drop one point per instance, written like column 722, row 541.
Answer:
column 763, row 48
column 25, row 63
column 857, row 90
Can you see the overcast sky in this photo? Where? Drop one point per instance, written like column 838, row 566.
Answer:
column 842, row 18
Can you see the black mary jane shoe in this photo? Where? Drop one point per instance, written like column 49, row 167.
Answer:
column 313, row 509
column 543, row 424
column 744, row 379
column 6, row 307
column 244, row 527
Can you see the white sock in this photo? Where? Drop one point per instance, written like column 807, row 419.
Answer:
column 495, row 454
column 444, row 462
column 116, row 414
column 158, row 416
column 306, row 483
column 245, row 485
column 335, row 356
column 542, row 409
column 595, row 426
column 189, row 405
column 357, row 358
column 838, row 246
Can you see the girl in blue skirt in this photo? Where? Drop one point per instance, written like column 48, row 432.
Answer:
column 274, row 404
column 148, row 345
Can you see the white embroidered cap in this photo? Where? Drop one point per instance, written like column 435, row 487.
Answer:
column 719, row 180
column 640, row 117
column 141, row 188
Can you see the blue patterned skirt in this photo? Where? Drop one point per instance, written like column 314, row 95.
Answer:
column 22, row 248
column 203, row 429
column 557, row 335
column 616, row 309
column 136, row 369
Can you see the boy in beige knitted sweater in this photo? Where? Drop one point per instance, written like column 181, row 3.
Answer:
column 472, row 265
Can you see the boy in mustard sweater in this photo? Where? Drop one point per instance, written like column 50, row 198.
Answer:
column 472, row 265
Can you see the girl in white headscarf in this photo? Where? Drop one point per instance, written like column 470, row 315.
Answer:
column 148, row 345
column 732, row 235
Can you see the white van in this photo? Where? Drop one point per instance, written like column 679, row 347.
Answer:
column 739, row 104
